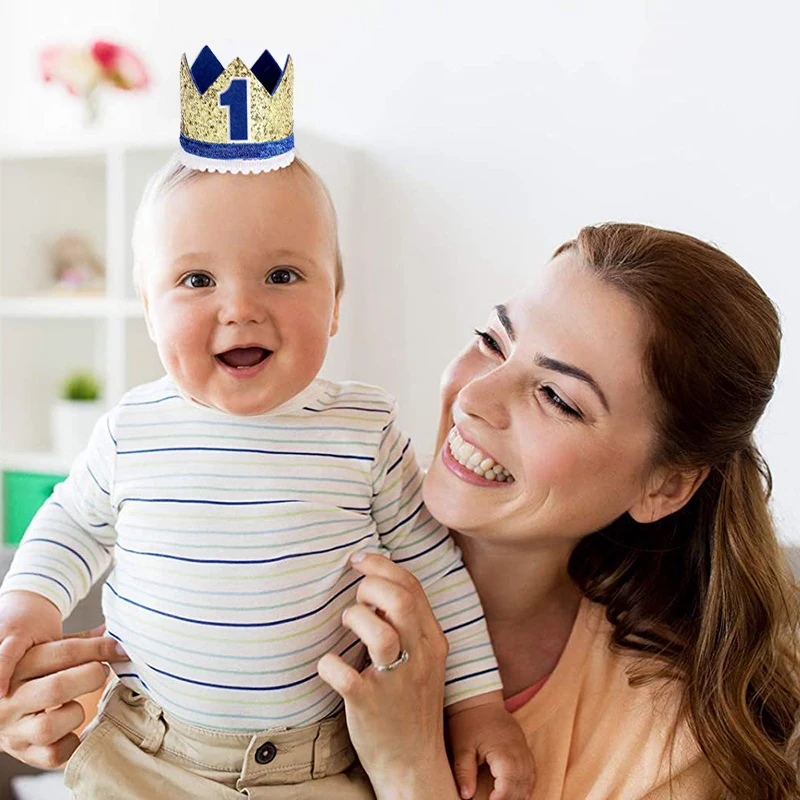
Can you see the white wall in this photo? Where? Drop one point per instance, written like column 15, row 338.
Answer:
column 488, row 133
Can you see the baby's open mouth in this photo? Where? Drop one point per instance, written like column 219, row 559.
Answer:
column 243, row 357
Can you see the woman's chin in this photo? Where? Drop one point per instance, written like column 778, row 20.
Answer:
column 450, row 501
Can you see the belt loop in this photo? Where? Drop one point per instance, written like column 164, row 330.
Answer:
column 320, row 753
column 153, row 735
column 333, row 751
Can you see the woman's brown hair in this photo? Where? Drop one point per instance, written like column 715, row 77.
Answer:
column 706, row 590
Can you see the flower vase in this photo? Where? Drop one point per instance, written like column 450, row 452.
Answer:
column 91, row 108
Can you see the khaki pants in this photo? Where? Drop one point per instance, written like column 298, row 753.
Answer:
column 136, row 752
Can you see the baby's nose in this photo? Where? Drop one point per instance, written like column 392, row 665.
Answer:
column 241, row 307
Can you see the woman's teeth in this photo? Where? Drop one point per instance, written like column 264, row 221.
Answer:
column 470, row 457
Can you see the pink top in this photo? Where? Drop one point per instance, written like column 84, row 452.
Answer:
column 519, row 699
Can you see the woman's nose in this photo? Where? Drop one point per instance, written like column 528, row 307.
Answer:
column 485, row 398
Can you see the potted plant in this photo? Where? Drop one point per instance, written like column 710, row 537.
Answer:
column 74, row 415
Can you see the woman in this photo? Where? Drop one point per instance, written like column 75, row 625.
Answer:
column 620, row 390
column 640, row 609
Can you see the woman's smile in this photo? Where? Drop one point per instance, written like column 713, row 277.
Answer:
column 471, row 464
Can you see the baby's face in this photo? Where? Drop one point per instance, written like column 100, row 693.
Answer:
column 240, row 296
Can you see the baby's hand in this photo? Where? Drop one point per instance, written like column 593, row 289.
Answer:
column 26, row 619
column 486, row 732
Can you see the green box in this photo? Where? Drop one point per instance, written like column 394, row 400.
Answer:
column 23, row 495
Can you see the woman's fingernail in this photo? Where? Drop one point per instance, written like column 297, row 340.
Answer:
column 120, row 650
column 356, row 557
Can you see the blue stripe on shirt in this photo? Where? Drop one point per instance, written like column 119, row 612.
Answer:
column 240, row 450
column 49, row 578
column 66, row 547
column 245, row 561
column 213, row 624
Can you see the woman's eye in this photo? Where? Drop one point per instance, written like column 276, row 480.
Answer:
column 488, row 341
column 555, row 401
column 280, row 276
column 197, row 280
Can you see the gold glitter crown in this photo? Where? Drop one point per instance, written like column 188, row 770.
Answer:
column 236, row 119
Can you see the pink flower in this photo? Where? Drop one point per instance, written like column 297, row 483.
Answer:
column 82, row 70
column 106, row 54
column 76, row 69
column 48, row 61
column 120, row 65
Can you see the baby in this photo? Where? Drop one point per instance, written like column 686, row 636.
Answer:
column 229, row 497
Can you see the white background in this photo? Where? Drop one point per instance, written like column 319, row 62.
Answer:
column 484, row 135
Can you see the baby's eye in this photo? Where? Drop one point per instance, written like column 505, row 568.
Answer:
column 197, row 280
column 282, row 275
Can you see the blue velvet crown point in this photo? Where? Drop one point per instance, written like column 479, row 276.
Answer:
column 206, row 69
column 267, row 71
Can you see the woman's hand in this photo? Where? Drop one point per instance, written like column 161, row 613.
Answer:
column 26, row 619
column 40, row 712
column 395, row 718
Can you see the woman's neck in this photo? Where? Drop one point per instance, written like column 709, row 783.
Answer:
column 529, row 602
column 518, row 583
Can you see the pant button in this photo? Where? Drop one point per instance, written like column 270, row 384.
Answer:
column 266, row 753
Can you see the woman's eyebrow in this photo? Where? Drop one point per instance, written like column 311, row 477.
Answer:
column 551, row 363
column 575, row 372
column 502, row 315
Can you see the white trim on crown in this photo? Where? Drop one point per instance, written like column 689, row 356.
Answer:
column 249, row 166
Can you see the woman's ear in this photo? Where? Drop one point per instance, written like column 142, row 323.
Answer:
column 668, row 491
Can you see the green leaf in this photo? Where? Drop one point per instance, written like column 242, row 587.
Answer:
column 81, row 386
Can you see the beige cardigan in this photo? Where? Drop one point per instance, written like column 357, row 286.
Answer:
column 594, row 737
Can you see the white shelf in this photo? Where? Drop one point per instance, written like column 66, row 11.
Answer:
column 89, row 143
column 132, row 309
column 34, row 462
column 68, row 308
column 89, row 185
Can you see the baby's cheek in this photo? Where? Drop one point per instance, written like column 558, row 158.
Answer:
column 311, row 334
column 181, row 340
column 313, row 347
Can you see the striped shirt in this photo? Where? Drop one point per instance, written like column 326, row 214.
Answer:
column 230, row 540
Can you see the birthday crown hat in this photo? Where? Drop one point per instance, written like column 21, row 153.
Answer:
column 236, row 119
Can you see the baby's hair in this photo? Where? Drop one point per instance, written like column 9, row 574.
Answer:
column 174, row 174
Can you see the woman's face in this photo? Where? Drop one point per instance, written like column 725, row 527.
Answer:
column 554, row 394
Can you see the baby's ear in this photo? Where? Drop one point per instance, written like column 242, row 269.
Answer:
column 335, row 318
column 143, row 298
